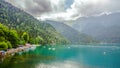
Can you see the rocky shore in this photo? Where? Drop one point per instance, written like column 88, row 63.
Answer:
column 15, row 50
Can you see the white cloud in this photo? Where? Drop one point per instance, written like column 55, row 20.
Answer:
column 83, row 8
column 55, row 9
column 39, row 7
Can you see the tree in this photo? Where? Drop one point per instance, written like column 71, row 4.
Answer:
column 32, row 41
column 8, row 36
column 2, row 39
column 39, row 40
column 9, row 45
column 13, row 38
column 3, row 46
column 25, row 37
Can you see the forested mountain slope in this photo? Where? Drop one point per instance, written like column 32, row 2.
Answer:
column 18, row 19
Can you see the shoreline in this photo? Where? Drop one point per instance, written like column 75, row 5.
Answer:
column 12, row 51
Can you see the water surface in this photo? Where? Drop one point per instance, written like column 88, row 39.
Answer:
column 66, row 56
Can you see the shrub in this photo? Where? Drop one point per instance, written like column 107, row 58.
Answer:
column 32, row 41
column 25, row 36
column 3, row 46
column 21, row 42
column 10, row 35
column 9, row 45
column 13, row 38
column 2, row 39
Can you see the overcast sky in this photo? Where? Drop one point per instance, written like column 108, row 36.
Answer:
column 65, row 10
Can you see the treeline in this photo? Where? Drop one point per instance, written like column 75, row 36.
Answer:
column 28, row 29
column 9, row 38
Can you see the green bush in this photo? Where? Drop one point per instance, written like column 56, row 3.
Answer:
column 3, row 46
column 2, row 39
column 13, row 38
column 25, row 36
column 9, row 45
column 39, row 40
column 21, row 42
column 32, row 41
column 10, row 35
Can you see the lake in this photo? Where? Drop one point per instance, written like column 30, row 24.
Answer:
column 66, row 56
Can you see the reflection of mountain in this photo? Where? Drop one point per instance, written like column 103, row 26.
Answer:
column 105, row 28
column 24, row 22
column 68, row 32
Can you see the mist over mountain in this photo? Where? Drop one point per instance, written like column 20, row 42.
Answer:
column 105, row 28
column 71, row 34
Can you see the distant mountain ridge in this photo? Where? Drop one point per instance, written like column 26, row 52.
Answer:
column 71, row 34
column 105, row 28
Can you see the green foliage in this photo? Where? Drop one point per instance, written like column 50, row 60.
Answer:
column 9, row 45
column 32, row 41
column 21, row 42
column 21, row 21
column 3, row 46
column 39, row 40
column 10, row 37
column 25, row 37
column 2, row 39
column 13, row 38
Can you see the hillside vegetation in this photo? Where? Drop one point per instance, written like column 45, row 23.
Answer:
column 36, row 32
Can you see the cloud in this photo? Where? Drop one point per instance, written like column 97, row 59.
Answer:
column 56, row 10
column 94, row 7
column 84, row 8
column 39, row 7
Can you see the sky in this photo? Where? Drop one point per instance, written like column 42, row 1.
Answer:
column 66, row 10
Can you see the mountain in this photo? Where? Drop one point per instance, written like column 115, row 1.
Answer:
column 21, row 21
column 71, row 34
column 105, row 28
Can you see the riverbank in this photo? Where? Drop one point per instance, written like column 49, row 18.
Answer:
column 15, row 50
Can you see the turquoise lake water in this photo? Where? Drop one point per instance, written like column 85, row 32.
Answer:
column 66, row 56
